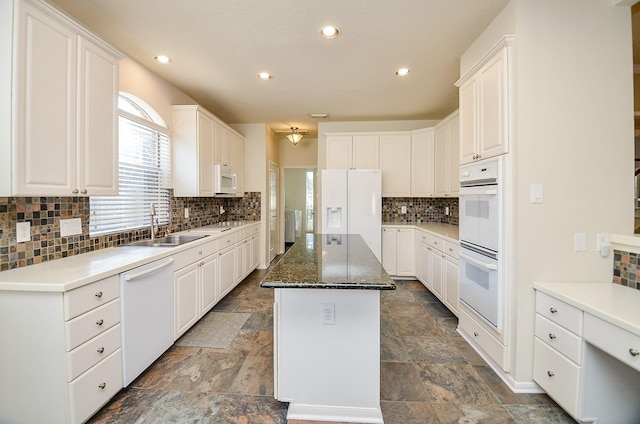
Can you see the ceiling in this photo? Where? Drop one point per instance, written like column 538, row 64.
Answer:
column 218, row 47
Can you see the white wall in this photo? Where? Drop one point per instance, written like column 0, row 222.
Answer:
column 574, row 135
column 304, row 154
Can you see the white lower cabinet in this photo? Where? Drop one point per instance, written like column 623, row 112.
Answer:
column 398, row 251
column 227, row 277
column 60, row 360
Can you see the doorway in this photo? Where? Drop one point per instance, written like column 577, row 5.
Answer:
column 273, row 210
column 299, row 203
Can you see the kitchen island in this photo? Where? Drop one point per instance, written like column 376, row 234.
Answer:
column 327, row 329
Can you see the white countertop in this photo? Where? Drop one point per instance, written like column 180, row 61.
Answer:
column 445, row 230
column 611, row 302
column 65, row 274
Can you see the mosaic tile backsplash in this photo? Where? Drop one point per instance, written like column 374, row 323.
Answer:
column 626, row 269
column 45, row 213
column 420, row 210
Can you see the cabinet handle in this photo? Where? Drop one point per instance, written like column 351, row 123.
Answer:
column 100, row 349
column 475, row 334
column 102, row 385
column 75, row 191
column 83, row 191
column 552, row 336
column 100, row 322
column 634, row 352
column 200, row 252
column 553, row 310
column 551, row 373
column 99, row 294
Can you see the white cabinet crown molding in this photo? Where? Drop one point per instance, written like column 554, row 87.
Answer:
column 505, row 41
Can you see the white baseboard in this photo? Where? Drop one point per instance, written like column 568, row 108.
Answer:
column 334, row 413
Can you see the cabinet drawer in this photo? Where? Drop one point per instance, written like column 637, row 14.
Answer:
column 613, row 340
column 557, row 375
column 559, row 312
column 489, row 344
column 83, row 299
column 422, row 237
column 255, row 229
column 436, row 242
column 89, row 325
column 452, row 249
column 90, row 353
column 226, row 241
column 94, row 388
column 561, row 339
column 187, row 257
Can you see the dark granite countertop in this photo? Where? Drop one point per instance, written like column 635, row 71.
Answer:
column 329, row 261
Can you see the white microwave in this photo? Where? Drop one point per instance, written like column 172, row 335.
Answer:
column 225, row 181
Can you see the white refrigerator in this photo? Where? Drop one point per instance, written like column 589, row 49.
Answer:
column 352, row 204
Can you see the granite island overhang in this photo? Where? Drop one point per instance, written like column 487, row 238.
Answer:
column 327, row 329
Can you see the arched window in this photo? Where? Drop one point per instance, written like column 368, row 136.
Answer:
column 144, row 172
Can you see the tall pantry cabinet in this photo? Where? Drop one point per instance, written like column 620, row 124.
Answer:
column 62, row 134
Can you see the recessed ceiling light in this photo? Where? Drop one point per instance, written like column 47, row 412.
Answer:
column 264, row 76
column 329, row 31
column 402, row 72
column 162, row 59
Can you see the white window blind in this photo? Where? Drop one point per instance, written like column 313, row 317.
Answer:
column 144, row 179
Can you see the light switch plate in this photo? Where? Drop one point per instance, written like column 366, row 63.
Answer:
column 580, row 242
column 23, row 231
column 70, row 227
column 537, row 193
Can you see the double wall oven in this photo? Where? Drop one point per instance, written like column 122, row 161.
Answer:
column 481, row 208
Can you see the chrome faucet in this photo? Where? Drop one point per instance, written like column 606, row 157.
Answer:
column 153, row 216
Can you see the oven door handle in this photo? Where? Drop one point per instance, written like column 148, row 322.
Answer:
column 485, row 265
column 471, row 192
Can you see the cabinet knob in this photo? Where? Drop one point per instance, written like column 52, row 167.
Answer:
column 102, row 385
column 83, row 191
column 551, row 373
column 100, row 322
column 553, row 310
column 99, row 294
column 634, row 352
column 200, row 252
column 552, row 336
column 475, row 334
column 75, row 191
column 100, row 349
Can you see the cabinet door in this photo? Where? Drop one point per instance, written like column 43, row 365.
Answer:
column 395, row 160
column 389, row 241
column 365, row 152
column 422, row 161
column 453, row 179
column 227, row 274
column 441, row 163
column 46, row 105
column 208, row 286
column 97, row 118
column 437, row 272
column 218, row 144
column 186, row 298
column 405, row 259
column 425, row 263
column 493, row 106
column 239, row 164
column 468, row 120
column 451, row 291
column 339, row 152
column 255, row 252
column 206, row 149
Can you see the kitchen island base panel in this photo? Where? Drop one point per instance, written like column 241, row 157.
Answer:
column 328, row 372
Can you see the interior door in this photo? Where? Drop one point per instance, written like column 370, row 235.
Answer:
column 273, row 211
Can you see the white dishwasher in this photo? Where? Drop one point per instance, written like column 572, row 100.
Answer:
column 146, row 299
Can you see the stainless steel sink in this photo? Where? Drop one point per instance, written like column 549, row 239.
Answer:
column 168, row 241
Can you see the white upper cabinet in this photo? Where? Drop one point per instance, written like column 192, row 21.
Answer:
column 395, row 154
column 64, row 108
column 353, row 151
column 446, row 156
column 199, row 141
column 485, row 105
column 422, row 160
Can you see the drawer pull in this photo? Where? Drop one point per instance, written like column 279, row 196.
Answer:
column 551, row 373
column 634, row 352
column 100, row 349
column 475, row 334
column 552, row 336
column 200, row 252
column 99, row 294
column 102, row 385
column 100, row 322
column 553, row 310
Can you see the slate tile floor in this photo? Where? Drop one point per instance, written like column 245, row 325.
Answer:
column 428, row 372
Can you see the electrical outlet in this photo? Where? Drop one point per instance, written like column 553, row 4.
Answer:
column 446, row 210
column 70, row 227
column 23, row 231
column 328, row 316
column 404, row 209
column 186, row 212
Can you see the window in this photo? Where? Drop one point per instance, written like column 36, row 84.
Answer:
column 144, row 172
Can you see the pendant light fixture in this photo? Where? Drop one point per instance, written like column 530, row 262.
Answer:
column 295, row 136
